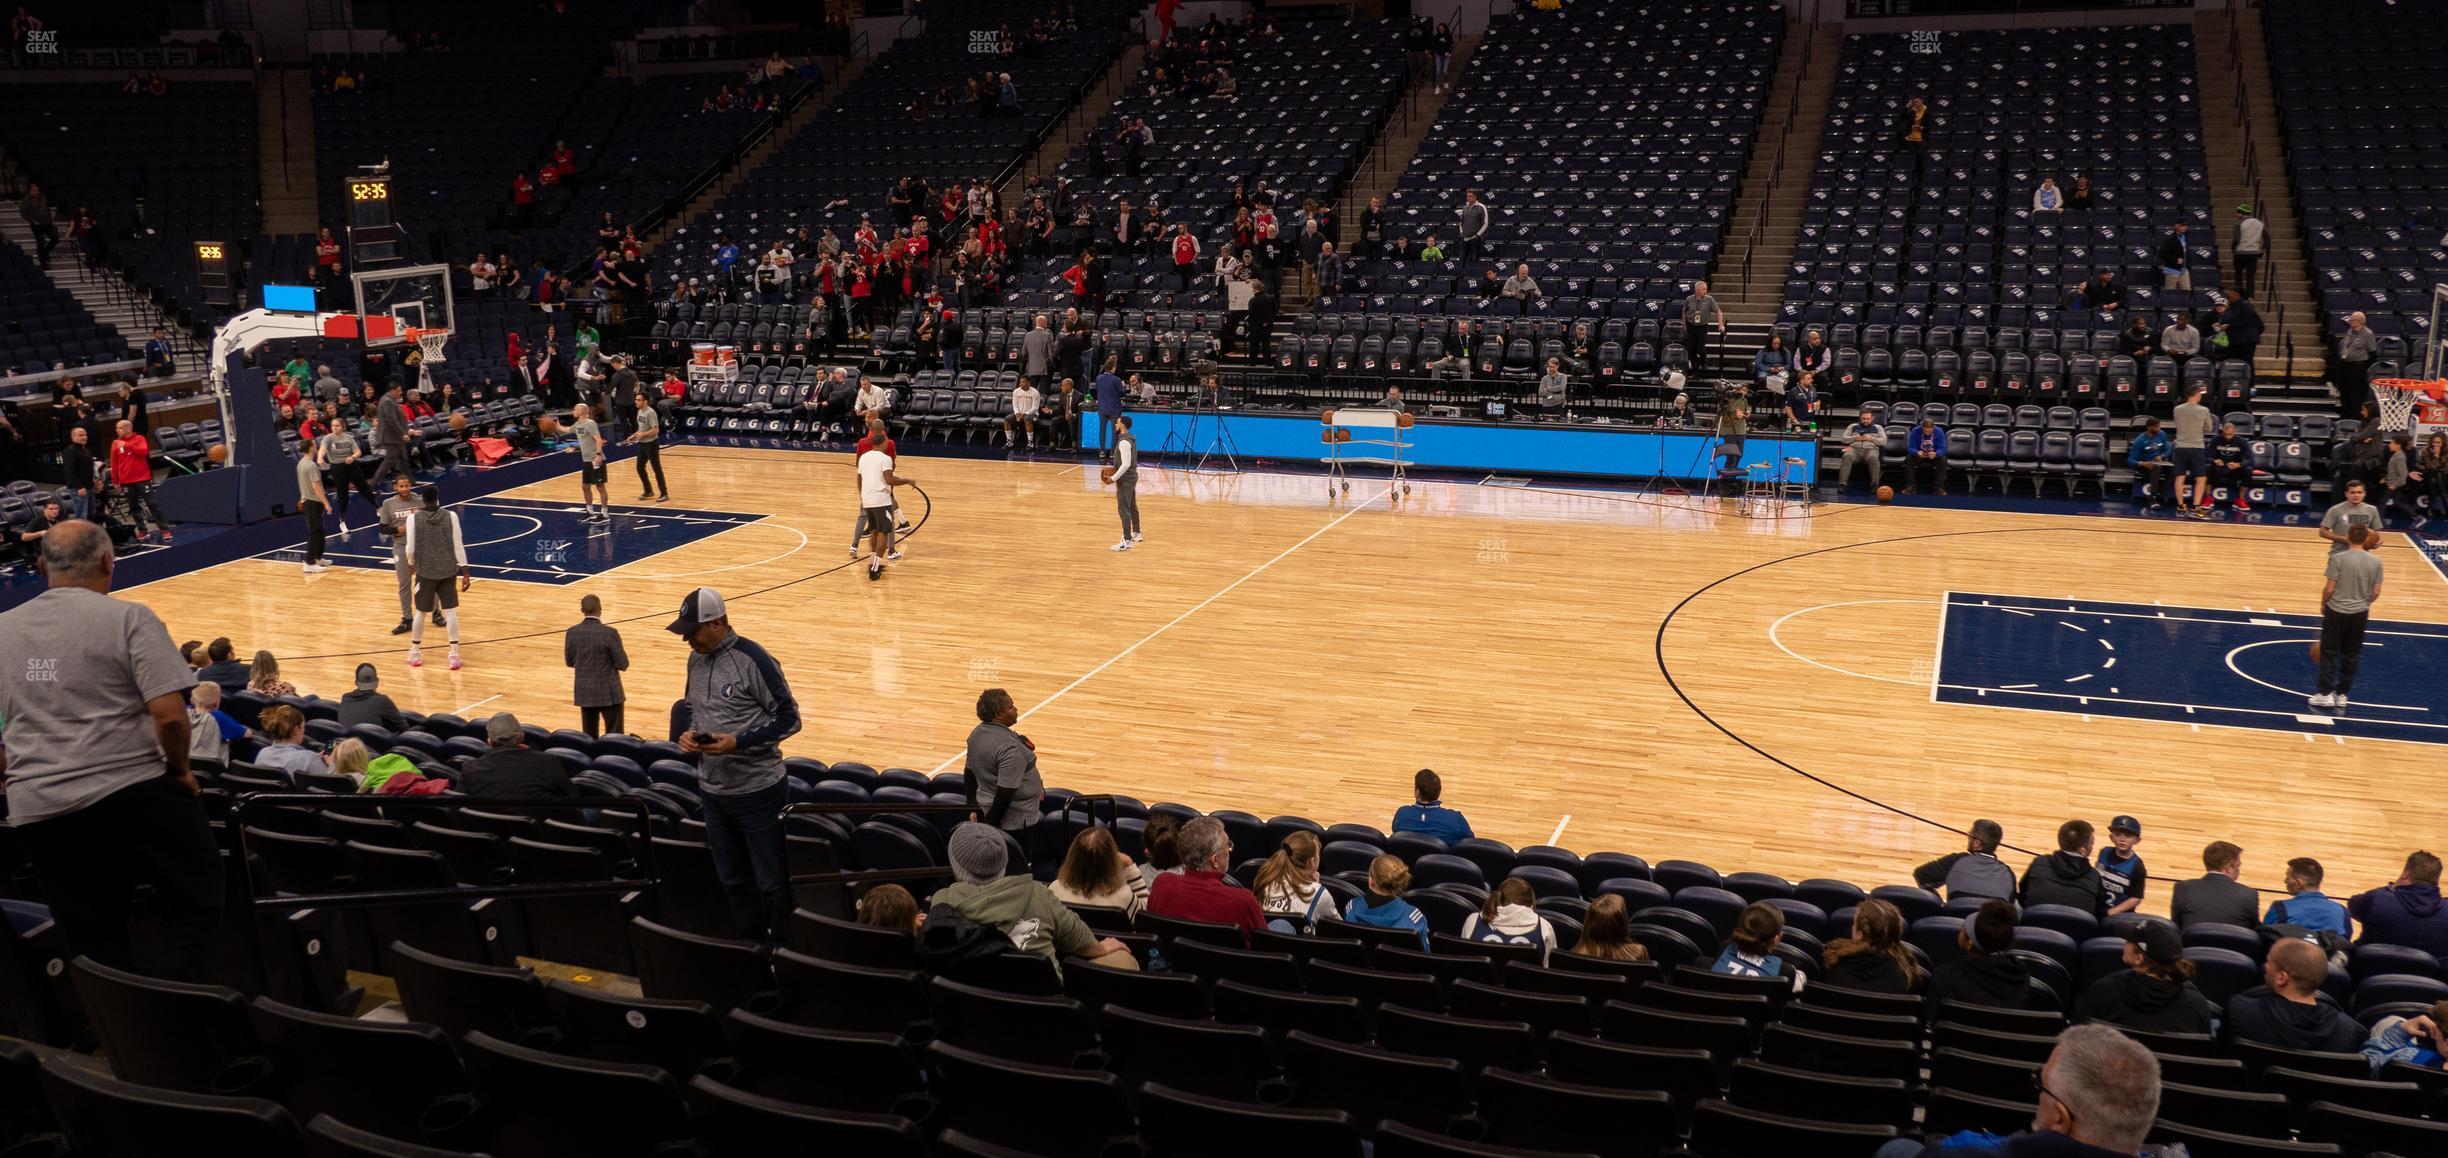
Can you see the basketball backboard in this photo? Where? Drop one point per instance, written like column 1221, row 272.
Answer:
column 390, row 302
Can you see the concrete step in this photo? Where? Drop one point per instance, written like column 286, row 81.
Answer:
column 840, row 73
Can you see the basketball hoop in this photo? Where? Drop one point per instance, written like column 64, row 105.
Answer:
column 2398, row 398
column 429, row 345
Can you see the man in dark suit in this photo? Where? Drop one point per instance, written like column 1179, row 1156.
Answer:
column 2218, row 898
column 593, row 651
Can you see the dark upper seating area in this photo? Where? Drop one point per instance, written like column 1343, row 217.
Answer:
column 42, row 326
column 160, row 173
column 841, row 1037
column 1606, row 140
column 458, row 126
column 1930, row 267
column 2362, row 116
column 1307, row 101
column 843, row 165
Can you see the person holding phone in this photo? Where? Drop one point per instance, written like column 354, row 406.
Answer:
column 736, row 713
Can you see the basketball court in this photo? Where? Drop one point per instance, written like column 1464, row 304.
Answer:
column 1813, row 694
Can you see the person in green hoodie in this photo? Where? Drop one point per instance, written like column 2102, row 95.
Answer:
column 1021, row 908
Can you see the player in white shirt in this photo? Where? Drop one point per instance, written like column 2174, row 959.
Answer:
column 1025, row 400
column 876, row 483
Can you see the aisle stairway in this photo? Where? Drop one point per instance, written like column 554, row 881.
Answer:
column 285, row 150
column 2248, row 163
column 1382, row 168
column 1749, row 280
column 1082, row 120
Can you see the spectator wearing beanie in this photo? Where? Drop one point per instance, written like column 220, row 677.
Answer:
column 1018, row 906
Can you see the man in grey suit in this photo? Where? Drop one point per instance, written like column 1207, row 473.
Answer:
column 592, row 649
column 2218, row 898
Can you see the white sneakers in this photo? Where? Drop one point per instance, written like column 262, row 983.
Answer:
column 2335, row 701
column 892, row 555
column 454, row 659
column 317, row 568
column 416, row 656
column 1124, row 545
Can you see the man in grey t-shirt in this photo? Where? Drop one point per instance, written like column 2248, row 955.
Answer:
column 2351, row 587
column 93, row 742
column 592, row 489
column 343, row 460
column 312, row 504
column 648, row 438
column 2348, row 514
column 392, row 521
column 2191, row 452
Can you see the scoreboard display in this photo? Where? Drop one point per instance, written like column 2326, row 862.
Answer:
column 213, row 272
column 369, row 200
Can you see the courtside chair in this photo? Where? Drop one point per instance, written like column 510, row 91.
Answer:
column 540, row 1104
column 170, row 1035
column 734, row 1123
column 1014, row 1104
column 2371, row 960
column 105, row 1116
column 2367, row 1132
column 2258, row 1115
column 681, row 1037
column 1197, row 1056
column 1723, row 1130
column 1184, row 1123
column 1375, row 1085
column 1677, row 875
column 858, row 1072
column 321, row 1063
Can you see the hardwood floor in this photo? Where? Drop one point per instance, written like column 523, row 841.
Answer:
column 1596, row 669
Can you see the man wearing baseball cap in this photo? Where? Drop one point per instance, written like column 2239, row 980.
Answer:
column 2121, row 870
column 736, row 713
column 2155, row 993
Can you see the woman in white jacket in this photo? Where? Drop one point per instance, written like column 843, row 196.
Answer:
column 1287, row 886
column 1510, row 918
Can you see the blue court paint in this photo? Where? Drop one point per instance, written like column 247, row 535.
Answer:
column 541, row 540
column 2184, row 665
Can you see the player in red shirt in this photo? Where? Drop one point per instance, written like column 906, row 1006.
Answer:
column 131, row 466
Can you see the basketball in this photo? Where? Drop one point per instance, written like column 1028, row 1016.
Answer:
column 219, row 452
column 1886, row 494
column 548, row 426
column 1105, row 475
column 458, row 422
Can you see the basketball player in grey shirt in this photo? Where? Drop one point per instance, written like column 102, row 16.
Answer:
column 2349, row 588
column 596, row 493
column 2194, row 422
column 2348, row 514
column 393, row 516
